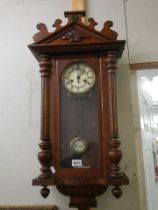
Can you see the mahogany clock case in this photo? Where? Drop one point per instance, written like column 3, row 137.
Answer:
column 67, row 115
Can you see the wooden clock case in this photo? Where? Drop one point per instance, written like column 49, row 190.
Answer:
column 75, row 42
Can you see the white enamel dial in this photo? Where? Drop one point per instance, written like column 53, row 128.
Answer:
column 78, row 78
column 79, row 145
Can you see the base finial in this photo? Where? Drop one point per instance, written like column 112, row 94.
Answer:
column 117, row 192
column 45, row 192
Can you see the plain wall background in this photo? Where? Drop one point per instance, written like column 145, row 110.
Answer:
column 20, row 93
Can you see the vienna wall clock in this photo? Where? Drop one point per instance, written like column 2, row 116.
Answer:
column 79, row 134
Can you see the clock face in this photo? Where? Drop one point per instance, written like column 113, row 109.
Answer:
column 79, row 145
column 78, row 78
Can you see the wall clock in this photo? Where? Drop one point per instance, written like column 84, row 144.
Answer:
column 79, row 134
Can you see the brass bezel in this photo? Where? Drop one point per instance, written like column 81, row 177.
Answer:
column 82, row 92
column 74, row 140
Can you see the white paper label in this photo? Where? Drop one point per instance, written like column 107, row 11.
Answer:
column 77, row 163
column 52, row 169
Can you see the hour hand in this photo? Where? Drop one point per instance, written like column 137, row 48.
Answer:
column 78, row 76
column 78, row 79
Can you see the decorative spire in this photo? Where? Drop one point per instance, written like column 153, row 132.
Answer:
column 75, row 16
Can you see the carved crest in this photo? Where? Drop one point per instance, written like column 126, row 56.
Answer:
column 74, row 35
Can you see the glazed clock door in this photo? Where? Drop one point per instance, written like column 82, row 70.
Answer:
column 79, row 114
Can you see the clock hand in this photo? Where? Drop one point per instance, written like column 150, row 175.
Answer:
column 78, row 75
column 78, row 79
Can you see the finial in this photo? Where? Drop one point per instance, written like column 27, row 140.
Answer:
column 75, row 16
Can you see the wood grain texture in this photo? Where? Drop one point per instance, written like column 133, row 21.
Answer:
column 28, row 207
column 143, row 66
column 78, row 5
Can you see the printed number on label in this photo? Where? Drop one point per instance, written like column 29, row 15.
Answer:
column 76, row 163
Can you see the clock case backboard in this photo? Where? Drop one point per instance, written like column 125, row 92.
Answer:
column 75, row 42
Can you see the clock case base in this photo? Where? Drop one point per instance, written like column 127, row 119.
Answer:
column 83, row 196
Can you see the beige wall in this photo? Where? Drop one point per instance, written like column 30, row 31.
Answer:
column 142, row 19
column 20, row 96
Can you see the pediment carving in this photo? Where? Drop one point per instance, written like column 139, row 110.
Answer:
column 70, row 33
column 75, row 36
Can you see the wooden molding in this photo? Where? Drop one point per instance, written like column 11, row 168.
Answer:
column 143, row 66
column 28, row 207
column 78, row 5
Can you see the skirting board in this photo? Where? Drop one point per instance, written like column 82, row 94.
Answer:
column 28, row 207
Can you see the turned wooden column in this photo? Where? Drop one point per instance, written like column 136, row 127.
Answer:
column 44, row 155
column 114, row 153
